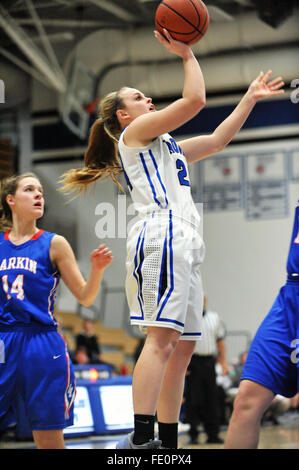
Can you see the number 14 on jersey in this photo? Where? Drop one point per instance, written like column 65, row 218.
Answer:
column 16, row 287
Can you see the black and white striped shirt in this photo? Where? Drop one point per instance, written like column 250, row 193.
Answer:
column 212, row 330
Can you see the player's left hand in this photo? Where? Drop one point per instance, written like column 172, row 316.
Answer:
column 260, row 88
column 101, row 257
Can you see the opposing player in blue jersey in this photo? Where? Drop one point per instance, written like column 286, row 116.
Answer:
column 164, row 246
column 272, row 364
column 34, row 362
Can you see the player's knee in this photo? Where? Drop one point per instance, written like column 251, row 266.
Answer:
column 242, row 404
column 247, row 407
column 168, row 350
column 50, row 444
column 162, row 345
column 252, row 400
column 48, row 440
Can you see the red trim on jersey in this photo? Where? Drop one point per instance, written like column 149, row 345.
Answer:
column 38, row 234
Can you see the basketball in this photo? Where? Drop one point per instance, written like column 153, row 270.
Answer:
column 186, row 20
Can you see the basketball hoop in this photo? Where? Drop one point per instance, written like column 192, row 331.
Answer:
column 79, row 103
column 92, row 107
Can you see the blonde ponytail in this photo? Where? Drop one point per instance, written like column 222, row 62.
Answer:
column 101, row 156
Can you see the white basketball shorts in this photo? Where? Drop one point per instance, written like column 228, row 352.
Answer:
column 163, row 285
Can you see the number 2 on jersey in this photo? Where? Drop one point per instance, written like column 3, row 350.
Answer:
column 182, row 174
column 16, row 287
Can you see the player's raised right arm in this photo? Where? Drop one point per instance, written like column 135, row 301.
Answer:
column 149, row 126
column 194, row 91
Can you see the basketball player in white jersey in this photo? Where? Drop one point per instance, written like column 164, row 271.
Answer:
column 164, row 246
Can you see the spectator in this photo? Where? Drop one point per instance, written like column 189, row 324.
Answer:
column 277, row 408
column 88, row 340
column 236, row 372
column 80, row 356
column 223, row 385
column 201, row 395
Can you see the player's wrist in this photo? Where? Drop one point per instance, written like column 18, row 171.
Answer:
column 97, row 270
column 250, row 97
column 187, row 54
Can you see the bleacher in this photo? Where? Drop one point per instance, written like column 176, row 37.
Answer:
column 116, row 345
column 6, row 158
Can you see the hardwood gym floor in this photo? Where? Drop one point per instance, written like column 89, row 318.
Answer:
column 282, row 436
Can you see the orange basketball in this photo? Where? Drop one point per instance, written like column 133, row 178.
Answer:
column 186, row 20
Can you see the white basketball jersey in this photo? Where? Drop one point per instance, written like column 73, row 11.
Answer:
column 158, row 179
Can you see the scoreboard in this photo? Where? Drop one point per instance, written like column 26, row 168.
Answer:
column 103, row 407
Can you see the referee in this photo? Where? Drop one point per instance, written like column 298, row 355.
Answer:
column 201, row 394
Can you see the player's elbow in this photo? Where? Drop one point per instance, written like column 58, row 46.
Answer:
column 85, row 302
column 202, row 102
column 193, row 105
column 85, row 299
column 219, row 147
column 218, row 143
column 198, row 102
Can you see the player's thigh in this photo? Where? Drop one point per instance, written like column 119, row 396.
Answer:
column 50, row 382
column 269, row 361
column 158, row 273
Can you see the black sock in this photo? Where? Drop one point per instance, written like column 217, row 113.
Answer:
column 168, row 434
column 143, row 428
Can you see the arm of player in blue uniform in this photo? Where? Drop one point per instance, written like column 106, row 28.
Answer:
column 62, row 256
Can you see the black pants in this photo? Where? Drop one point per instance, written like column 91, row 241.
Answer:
column 201, row 396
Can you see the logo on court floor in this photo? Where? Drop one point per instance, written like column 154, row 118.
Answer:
column 295, row 93
column 2, row 92
column 295, row 353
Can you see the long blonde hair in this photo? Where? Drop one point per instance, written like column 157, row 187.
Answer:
column 101, row 157
column 9, row 186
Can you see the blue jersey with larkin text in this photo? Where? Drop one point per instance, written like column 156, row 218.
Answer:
column 293, row 257
column 28, row 281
